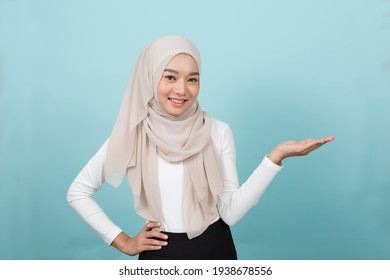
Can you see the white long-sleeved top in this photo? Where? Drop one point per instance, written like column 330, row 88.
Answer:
column 232, row 204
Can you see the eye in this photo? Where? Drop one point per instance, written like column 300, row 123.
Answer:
column 170, row 78
column 193, row 80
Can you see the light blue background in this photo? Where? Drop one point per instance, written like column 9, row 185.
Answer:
column 274, row 70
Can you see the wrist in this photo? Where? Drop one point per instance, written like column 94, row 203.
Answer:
column 276, row 157
column 121, row 241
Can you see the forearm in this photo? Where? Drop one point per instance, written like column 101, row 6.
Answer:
column 81, row 199
column 234, row 204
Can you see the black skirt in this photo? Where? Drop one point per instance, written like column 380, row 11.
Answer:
column 215, row 243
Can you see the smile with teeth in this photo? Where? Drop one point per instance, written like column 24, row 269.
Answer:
column 177, row 101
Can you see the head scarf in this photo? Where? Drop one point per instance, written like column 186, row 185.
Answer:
column 144, row 130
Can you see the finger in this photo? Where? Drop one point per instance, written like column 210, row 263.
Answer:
column 152, row 225
column 312, row 143
column 151, row 241
column 154, row 242
column 150, row 248
column 322, row 140
column 307, row 141
column 156, row 234
column 328, row 139
column 150, row 233
column 144, row 240
column 315, row 147
column 311, row 148
column 308, row 151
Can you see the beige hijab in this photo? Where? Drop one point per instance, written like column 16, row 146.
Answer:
column 144, row 130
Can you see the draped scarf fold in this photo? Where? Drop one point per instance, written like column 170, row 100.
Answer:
column 143, row 131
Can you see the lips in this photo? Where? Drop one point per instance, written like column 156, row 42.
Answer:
column 177, row 101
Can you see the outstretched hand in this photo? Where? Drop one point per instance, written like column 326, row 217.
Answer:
column 296, row 148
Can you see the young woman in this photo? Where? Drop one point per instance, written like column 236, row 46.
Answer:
column 179, row 161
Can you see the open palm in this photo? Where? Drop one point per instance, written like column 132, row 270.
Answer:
column 297, row 148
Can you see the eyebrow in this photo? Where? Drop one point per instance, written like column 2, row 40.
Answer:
column 176, row 72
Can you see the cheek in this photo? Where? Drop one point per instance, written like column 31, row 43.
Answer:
column 195, row 91
column 162, row 91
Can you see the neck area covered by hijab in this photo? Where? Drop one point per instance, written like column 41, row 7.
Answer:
column 144, row 130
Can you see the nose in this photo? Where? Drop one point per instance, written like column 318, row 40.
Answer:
column 180, row 88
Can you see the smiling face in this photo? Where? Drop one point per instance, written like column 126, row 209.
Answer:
column 179, row 85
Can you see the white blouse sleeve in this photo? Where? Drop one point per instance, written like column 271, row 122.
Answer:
column 234, row 202
column 80, row 197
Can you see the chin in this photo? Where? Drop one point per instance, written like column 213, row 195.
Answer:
column 177, row 112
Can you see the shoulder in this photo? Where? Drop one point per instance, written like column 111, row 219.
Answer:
column 218, row 127
column 220, row 133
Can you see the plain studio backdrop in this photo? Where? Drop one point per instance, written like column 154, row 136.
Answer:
column 274, row 70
